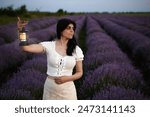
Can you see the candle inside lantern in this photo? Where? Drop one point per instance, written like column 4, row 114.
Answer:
column 22, row 36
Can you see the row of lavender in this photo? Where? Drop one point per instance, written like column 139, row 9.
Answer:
column 8, row 32
column 28, row 81
column 109, row 74
column 135, row 44
column 133, row 26
column 139, row 20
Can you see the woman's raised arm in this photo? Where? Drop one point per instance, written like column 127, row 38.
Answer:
column 33, row 48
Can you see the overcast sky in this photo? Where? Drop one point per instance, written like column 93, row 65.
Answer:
column 81, row 5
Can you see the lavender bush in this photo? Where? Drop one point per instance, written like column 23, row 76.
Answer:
column 115, row 74
column 9, row 32
column 2, row 41
column 141, row 29
column 118, row 93
column 37, row 63
column 30, row 81
column 13, row 94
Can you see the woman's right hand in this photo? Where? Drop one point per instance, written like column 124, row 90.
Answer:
column 21, row 23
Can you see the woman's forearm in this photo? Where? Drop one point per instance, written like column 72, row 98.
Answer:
column 64, row 79
column 33, row 48
column 75, row 76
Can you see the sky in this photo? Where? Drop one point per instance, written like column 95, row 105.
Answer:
column 80, row 5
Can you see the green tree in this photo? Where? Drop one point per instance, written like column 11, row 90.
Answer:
column 22, row 10
column 61, row 12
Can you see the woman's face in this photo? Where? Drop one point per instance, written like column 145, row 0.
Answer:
column 68, row 32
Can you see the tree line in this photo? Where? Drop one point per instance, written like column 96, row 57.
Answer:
column 10, row 11
column 22, row 10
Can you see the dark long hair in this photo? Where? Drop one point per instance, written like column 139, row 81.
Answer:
column 61, row 26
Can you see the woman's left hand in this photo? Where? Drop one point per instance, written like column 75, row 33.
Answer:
column 61, row 80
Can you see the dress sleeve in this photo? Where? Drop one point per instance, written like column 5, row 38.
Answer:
column 47, row 46
column 78, row 54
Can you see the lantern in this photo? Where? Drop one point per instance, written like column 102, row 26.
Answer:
column 23, row 36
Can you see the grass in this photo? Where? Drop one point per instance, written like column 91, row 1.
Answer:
column 5, row 19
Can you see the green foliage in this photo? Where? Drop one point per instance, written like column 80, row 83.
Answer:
column 21, row 10
column 9, row 11
column 61, row 12
column 9, row 15
column 7, row 20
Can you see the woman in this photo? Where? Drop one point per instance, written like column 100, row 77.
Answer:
column 63, row 54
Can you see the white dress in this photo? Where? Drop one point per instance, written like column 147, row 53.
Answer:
column 58, row 65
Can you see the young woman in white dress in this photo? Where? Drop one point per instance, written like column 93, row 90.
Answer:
column 63, row 55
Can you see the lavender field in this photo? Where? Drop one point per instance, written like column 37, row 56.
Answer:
column 116, row 63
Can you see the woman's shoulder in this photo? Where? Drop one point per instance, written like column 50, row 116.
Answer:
column 78, row 49
column 47, row 43
column 78, row 53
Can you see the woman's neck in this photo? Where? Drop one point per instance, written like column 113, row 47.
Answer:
column 63, row 42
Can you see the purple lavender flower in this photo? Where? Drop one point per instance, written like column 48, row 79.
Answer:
column 118, row 93
column 37, row 63
column 130, row 25
column 13, row 94
column 131, row 41
column 123, row 75
column 2, row 41
column 28, row 80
